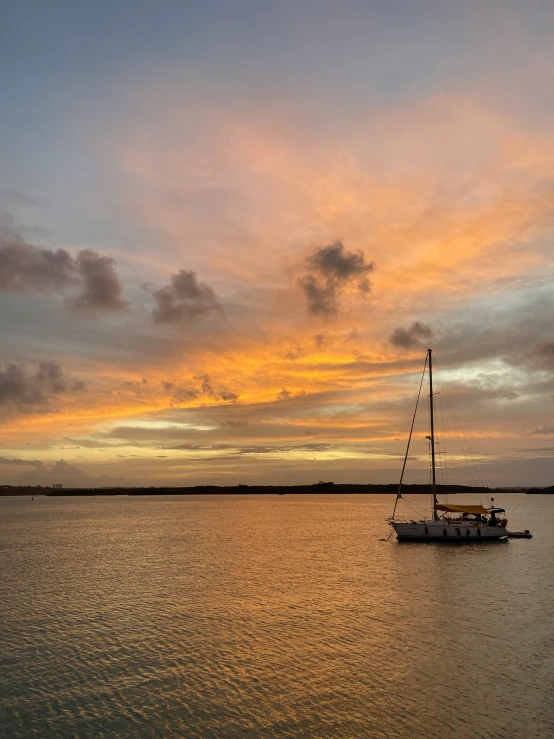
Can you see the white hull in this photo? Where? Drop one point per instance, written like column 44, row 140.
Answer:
column 444, row 530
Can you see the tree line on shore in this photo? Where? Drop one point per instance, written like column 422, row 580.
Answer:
column 321, row 487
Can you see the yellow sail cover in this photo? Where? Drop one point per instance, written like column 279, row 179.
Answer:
column 462, row 508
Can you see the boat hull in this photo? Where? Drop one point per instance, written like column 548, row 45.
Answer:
column 462, row 531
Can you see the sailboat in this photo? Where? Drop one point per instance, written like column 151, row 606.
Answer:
column 458, row 522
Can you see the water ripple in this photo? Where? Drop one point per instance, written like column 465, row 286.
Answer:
column 268, row 616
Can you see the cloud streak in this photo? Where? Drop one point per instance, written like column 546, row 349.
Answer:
column 22, row 462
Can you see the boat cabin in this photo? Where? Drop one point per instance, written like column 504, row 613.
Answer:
column 472, row 513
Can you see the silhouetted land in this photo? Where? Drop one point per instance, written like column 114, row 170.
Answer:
column 322, row 487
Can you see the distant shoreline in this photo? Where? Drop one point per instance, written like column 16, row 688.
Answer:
column 326, row 487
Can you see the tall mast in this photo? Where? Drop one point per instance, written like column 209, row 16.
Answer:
column 432, row 414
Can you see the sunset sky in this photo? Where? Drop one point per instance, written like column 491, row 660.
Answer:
column 229, row 230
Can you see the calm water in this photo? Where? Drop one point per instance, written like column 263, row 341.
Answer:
column 269, row 616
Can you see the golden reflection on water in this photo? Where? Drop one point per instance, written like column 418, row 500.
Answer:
column 277, row 616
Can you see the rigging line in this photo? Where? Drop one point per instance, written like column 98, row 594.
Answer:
column 438, row 444
column 471, row 462
column 430, row 463
column 463, row 441
column 398, row 495
column 451, row 409
column 460, row 434
column 418, row 512
column 438, row 438
column 445, row 475
column 441, row 434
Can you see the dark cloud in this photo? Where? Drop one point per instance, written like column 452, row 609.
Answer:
column 284, row 394
column 544, row 355
column 337, row 262
column 331, row 269
column 533, row 355
column 321, row 297
column 226, row 395
column 295, row 353
column 179, row 394
column 100, row 286
column 413, row 337
column 26, row 268
column 518, row 334
column 232, row 424
column 182, row 393
column 509, row 395
column 320, row 340
column 22, row 462
column 21, row 391
column 17, row 197
column 136, row 385
column 205, row 384
column 184, row 299
column 207, row 389
column 31, row 269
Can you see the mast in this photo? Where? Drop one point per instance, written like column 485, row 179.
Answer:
column 432, row 414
